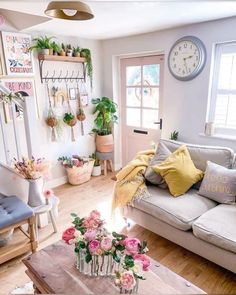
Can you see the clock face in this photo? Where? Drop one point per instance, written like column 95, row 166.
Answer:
column 187, row 58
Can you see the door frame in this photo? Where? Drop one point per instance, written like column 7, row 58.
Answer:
column 116, row 90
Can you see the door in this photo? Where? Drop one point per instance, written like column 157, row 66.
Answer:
column 141, row 103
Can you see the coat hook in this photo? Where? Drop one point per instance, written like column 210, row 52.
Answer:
column 66, row 79
column 53, row 76
column 46, row 77
column 59, row 78
column 72, row 78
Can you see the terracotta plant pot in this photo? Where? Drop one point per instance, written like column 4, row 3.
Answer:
column 104, row 143
column 62, row 53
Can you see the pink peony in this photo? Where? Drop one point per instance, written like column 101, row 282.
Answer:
column 48, row 193
column 127, row 280
column 95, row 214
column 94, row 247
column 90, row 234
column 131, row 246
column 68, row 234
column 91, row 223
column 106, row 244
column 144, row 260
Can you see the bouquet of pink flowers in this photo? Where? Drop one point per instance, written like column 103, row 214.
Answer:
column 32, row 168
column 127, row 254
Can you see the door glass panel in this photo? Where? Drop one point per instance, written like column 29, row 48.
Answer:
column 133, row 117
column 151, row 74
column 133, row 75
column 133, row 97
column 149, row 117
column 151, row 97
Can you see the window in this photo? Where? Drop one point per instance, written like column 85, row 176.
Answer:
column 222, row 109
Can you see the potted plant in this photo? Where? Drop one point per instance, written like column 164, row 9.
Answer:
column 63, row 50
column 97, row 171
column 76, row 51
column 69, row 50
column 174, row 135
column 78, row 168
column 43, row 45
column 105, row 109
column 56, row 48
column 71, row 121
column 86, row 53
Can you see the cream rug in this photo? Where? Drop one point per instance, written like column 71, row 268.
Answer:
column 25, row 289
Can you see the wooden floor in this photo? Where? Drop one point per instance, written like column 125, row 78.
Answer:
column 97, row 194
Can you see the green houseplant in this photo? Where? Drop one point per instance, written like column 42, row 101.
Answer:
column 174, row 135
column 56, row 48
column 86, row 53
column 43, row 44
column 97, row 171
column 76, row 51
column 105, row 111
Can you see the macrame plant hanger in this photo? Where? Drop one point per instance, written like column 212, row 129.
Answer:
column 72, row 122
column 80, row 112
column 51, row 120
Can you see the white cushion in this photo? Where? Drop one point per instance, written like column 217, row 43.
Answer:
column 179, row 212
column 218, row 227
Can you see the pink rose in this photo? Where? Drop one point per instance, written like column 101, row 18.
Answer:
column 127, row 280
column 68, row 234
column 48, row 193
column 94, row 247
column 144, row 260
column 131, row 246
column 95, row 214
column 106, row 244
column 91, row 223
column 90, row 234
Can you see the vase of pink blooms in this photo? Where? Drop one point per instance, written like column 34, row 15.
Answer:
column 99, row 253
column 35, row 171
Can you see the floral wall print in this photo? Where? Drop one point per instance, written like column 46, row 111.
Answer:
column 18, row 58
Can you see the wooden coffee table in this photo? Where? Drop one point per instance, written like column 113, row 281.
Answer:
column 53, row 270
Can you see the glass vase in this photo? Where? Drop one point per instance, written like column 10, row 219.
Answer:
column 100, row 265
column 132, row 291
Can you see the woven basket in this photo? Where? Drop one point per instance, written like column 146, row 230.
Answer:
column 79, row 175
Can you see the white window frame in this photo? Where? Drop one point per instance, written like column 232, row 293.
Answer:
column 220, row 48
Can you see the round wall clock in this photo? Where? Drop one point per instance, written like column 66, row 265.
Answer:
column 187, row 58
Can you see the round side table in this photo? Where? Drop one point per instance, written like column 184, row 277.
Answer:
column 47, row 208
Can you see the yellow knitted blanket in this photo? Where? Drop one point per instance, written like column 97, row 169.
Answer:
column 130, row 183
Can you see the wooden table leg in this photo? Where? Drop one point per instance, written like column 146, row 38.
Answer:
column 111, row 165
column 53, row 221
column 105, row 167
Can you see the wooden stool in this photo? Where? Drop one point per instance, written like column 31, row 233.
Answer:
column 47, row 208
column 106, row 160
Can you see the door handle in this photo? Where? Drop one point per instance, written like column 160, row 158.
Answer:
column 140, row 131
column 159, row 123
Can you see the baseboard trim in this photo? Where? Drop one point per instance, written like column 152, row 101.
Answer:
column 56, row 182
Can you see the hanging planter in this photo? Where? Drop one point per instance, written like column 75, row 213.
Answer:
column 52, row 122
column 70, row 119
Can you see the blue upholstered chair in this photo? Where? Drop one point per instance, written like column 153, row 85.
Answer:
column 13, row 214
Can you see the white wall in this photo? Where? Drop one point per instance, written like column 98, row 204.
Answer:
column 84, row 145
column 185, row 103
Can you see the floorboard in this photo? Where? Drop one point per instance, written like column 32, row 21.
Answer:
column 97, row 193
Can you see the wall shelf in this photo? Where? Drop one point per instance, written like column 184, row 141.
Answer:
column 57, row 58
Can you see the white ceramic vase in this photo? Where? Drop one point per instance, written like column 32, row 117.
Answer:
column 97, row 171
column 36, row 197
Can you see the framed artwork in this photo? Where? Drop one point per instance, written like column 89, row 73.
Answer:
column 26, row 88
column 18, row 58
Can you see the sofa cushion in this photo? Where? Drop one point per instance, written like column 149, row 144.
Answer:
column 161, row 155
column 218, row 226
column 179, row 212
column 219, row 184
column 179, row 171
column 200, row 154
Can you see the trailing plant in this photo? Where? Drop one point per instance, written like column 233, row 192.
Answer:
column 8, row 98
column 174, row 135
column 42, row 42
column 105, row 109
column 86, row 53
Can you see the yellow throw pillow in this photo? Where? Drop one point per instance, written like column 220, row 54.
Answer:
column 179, row 171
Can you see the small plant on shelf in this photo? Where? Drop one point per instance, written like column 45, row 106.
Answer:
column 69, row 50
column 63, row 50
column 174, row 135
column 86, row 53
column 56, row 48
column 76, row 51
column 43, row 44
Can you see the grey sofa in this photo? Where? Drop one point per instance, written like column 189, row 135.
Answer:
column 194, row 222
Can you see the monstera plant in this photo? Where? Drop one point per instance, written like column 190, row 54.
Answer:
column 105, row 111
